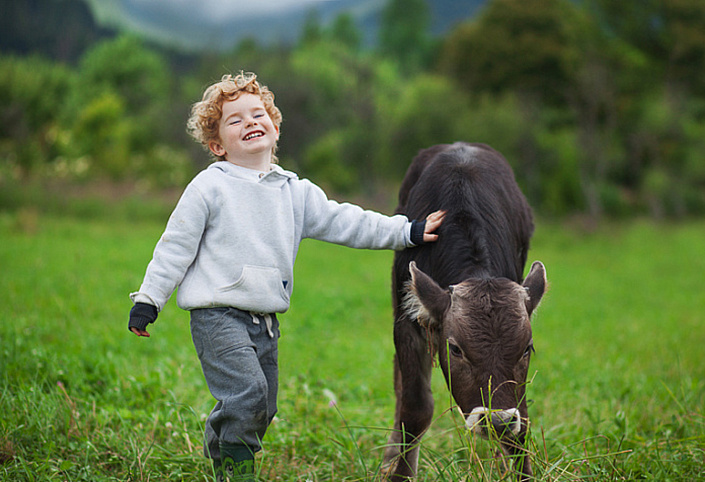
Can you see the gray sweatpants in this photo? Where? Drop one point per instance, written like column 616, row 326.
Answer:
column 239, row 361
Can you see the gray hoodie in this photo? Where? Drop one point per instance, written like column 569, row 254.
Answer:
column 232, row 239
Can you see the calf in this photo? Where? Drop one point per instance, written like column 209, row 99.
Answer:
column 464, row 300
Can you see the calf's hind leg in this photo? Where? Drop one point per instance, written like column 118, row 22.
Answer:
column 414, row 405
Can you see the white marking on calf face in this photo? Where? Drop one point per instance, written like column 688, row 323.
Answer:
column 475, row 423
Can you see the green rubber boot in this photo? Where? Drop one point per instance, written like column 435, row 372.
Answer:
column 218, row 471
column 238, row 463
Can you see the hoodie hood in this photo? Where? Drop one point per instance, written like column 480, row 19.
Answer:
column 274, row 178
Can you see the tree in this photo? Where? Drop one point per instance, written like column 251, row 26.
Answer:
column 670, row 33
column 122, row 72
column 426, row 110
column 345, row 32
column 635, row 21
column 404, row 33
column 57, row 29
column 684, row 41
column 312, row 31
column 121, row 112
column 32, row 94
column 331, row 89
column 642, row 83
column 124, row 66
column 525, row 46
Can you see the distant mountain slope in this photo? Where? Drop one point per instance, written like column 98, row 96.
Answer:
column 58, row 29
column 183, row 24
column 63, row 29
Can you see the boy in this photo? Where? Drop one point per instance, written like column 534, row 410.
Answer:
column 230, row 246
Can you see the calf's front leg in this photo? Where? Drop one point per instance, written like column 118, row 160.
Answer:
column 414, row 403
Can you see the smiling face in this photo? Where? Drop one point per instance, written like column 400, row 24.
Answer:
column 247, row 135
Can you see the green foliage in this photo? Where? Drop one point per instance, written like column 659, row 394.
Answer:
column 561, row 172
column 60, row 29
column 125, row 67
column 607, row 79
column 669, row 33
column 103, row 120
column 338, row 85
column 616, row 384
column 496, row 121
column 526, row 46
column 598, row 105
column 345, row 32
column 425, row 111
column 684, row 40
column 403, row 35
column 32, row 92
column 103, row 132
column 120, row 104
column 312, row 31
column 324, row 158
column 669, row 131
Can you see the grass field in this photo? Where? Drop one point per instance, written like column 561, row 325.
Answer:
column 618, row 380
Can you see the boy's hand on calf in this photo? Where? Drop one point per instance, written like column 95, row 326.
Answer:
column 433, row 222
column 421, row 231
column 141, row 315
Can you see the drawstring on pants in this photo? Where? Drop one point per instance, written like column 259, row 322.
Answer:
column 267, row 320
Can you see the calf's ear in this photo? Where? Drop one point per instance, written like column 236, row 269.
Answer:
column 535, row 285
column 426, row 300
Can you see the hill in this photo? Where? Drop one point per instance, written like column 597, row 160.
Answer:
column 62, row 29
column 57, row 29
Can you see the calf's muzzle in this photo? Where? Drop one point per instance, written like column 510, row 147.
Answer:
column 502, row 423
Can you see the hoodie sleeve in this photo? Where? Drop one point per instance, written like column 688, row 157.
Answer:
column 350, row 225
column 175, row 250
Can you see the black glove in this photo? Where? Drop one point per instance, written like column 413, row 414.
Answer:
column 141, row 315
column 417, row 229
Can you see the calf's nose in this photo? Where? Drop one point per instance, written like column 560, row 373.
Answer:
column 484, row 421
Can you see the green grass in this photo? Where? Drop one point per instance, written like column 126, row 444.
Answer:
column 618, row 380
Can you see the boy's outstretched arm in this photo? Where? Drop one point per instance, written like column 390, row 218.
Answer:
column 433, row 222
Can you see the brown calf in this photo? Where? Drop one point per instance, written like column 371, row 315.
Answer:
column 463, row 299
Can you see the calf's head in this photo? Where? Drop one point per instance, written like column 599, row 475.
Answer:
column 481, row 331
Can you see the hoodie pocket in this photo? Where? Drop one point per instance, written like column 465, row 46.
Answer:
column 258, row 289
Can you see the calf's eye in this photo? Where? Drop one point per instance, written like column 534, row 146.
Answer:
column 455, row 350
column 529, row 350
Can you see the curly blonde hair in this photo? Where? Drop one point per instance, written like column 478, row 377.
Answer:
column 204, row 122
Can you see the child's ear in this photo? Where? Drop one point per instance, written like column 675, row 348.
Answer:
column 216, row 148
